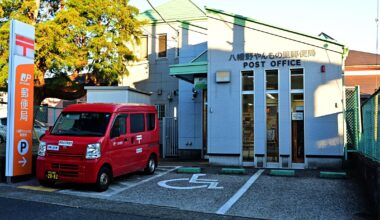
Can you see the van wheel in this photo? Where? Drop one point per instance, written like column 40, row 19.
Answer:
column 46, row 183
column 103, row 180
column 151, row 165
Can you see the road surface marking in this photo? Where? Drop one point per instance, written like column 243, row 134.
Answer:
column 222, row 210
column 206, row 183
column 38, row 188
column 115, row 188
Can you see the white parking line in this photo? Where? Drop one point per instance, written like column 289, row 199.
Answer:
column 144, row 181
column 116, row 187
column 222, row 210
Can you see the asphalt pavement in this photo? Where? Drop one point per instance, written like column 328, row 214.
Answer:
column 22, row 209
column 207, row 195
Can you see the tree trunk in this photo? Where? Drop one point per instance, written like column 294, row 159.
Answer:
column 42, row 92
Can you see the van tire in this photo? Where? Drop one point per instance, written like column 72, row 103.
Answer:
column 104, row 179
column 151, row 165
column 46, row 183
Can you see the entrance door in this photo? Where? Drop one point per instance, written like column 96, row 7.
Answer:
column 247, row 117
column 297, row 137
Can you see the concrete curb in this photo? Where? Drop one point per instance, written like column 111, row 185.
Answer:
column 282, row 173
column 189, row 170
column 332, row 175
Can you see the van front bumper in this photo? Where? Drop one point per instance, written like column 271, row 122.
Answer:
column 67, row 170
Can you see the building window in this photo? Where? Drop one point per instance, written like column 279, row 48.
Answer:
column 162, row 45
column 178, row 44
column 296, row 78
column 137, row 123
column 271, row 79
column 144, row 47
column 248, row 80
column 160, row 110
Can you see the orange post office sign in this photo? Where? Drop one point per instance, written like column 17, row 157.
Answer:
column 20, row 100
column 23, row 120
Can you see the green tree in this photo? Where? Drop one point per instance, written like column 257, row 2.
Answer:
column 73, row 38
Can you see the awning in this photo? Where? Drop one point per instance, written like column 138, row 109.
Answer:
column 188, row 71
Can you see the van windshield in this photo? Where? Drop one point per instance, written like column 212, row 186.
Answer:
column 81, row 124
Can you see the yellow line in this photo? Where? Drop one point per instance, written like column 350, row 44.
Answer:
column 38, row 188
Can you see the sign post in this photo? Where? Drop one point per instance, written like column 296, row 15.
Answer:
column 20, row 100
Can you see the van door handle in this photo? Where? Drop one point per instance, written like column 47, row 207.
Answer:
column 125, row 139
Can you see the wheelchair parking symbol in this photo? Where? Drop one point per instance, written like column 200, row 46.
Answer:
column 194, row 183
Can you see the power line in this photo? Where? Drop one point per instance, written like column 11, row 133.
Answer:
column 161, row 16
column 276, row 35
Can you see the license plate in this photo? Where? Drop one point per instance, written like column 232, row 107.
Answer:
column 53, row 147
column 52, row 175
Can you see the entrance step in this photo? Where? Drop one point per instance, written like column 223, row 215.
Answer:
column 233, row 171
column 189, row 170
column 332, row 175
column 282, row 173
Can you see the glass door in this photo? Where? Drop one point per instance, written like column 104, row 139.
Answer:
column 247, row 107
column 297, row 128
column 272, row 128
column 297, row 115
column 247, row 128
column 271, row 93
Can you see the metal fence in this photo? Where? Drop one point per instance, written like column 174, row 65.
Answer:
column 369, row 144
column 352, row 115
column 170, row 137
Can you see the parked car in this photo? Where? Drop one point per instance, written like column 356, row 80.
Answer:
column 92, row 143
column 39, row 129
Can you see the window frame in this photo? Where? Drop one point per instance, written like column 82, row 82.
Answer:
column 158, row 46
column 146, row 40
column 148, row 121
column 126, row 125
column 131, row 129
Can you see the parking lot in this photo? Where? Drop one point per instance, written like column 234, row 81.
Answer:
column 255, row 194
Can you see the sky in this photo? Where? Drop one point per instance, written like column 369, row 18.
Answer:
column 350, row 22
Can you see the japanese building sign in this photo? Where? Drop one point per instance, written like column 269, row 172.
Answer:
column 20, row 100
column 273, row 59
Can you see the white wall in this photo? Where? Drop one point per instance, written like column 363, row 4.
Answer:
column 190, row 109
column 322, row 92
column 108, row 94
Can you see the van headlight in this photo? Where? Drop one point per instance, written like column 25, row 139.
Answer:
column 42, row 149
column 93, row 151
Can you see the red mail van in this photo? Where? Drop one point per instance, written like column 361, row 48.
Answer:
column 92, row 143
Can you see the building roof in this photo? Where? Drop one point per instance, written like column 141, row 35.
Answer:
column 174, row 10
column 240, row 20
column 360, row 58
column 368, row 83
